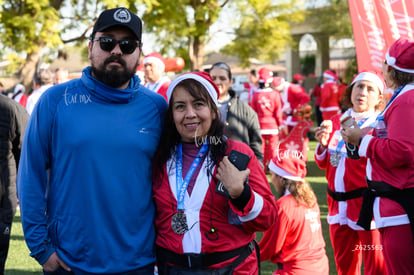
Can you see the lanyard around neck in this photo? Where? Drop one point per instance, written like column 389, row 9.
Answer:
column 181, row 183
column 394, row 96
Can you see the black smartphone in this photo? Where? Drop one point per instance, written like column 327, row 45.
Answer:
column 239, row 159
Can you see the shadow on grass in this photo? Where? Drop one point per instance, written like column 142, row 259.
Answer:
column 17, row 238
column 21, row 272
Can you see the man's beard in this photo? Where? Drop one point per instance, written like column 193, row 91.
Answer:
column 113, row 76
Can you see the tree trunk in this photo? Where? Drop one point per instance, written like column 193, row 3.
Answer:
column 196, row 53
column 25, row 76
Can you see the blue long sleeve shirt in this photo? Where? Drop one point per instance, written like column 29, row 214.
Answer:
column 84, row 181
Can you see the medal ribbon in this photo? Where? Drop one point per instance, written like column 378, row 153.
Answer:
column 183, row 184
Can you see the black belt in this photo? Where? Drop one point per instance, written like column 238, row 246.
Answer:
column 403, row 197
column 193, row 260
column 344, row 196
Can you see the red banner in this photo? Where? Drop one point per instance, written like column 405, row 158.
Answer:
column 376, row 25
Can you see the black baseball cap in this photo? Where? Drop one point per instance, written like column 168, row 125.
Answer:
column 118, row 17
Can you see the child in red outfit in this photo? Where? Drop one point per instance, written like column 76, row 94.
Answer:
column 295, row 241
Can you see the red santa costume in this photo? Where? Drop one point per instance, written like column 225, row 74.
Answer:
column 298, row 81
column 161, row 85
column 213, row 219
column 293, row 96
column 329, row 96
column 390, row 168
column 346, row 184
column 267, row 104
column 19, row 94
column 295, row 241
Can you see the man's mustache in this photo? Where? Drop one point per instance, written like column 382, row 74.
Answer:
column 115, row 58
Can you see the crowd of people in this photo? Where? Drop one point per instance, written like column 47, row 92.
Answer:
column 127, row 173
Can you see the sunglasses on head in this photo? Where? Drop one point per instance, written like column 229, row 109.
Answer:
column 107, row 44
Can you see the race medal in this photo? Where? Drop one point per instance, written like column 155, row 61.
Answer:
column 335, row 158
column 179, row 223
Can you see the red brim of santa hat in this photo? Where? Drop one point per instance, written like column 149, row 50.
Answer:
column 265, row 75
column 298, row 77
column 371, row 77
column 401, row 55
column 202, row 77
column 288, row 167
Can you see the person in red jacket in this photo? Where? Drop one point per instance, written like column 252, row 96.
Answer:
column 295, row 241
column 293, row 97
column 154, row 68
column 390, row 167
column 330, row 95
column 298, row 81
column 268, row 106
column 346, row 180
column 207, row 211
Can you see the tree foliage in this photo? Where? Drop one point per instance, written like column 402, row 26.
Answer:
column 182, row 26
column 333, row 19
column 264, row 29
column 29, row 28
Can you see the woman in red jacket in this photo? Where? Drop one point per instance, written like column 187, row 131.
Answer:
column 346, row 181
column 207, row 211
column 295, row 242
column 390, row 169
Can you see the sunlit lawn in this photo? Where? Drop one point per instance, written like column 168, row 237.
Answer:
column 20, row 263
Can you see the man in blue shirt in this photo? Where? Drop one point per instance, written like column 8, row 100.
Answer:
column 84, row 179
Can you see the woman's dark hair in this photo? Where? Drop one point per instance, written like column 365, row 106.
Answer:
column 170, row 136
column 400, row 78
column 224, row 66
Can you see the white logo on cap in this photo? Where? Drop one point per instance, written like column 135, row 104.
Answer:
column 122, row 16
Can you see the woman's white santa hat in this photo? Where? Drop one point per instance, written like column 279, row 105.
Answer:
column 155, row 58
column 401, row 55
column 330, row 75
column 202, row 77
column 289, row 167
column 371, row 77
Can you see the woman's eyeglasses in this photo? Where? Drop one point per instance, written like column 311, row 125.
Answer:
column 107, row 44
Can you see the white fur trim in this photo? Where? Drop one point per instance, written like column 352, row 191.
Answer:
column 256, row 209
column 284, row 174
column 209, row 87
column 371, row 78
column 153, row 60
column 391, row 62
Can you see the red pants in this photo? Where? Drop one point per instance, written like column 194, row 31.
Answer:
column 269, row 143
column 398, row 249
column 350, row 246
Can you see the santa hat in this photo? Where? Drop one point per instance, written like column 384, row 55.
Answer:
column 371, row 77
column 265, row 76
column 278, row 82
column 401, row 55
column 298, row 77
column 330, row 75
column 202, row 77
column 155, row 58
column 19, row 88
column 289, row 167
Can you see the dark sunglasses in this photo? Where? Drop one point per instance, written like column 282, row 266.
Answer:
column 107, row 44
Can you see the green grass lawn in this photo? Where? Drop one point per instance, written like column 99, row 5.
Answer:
column 20, row 263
